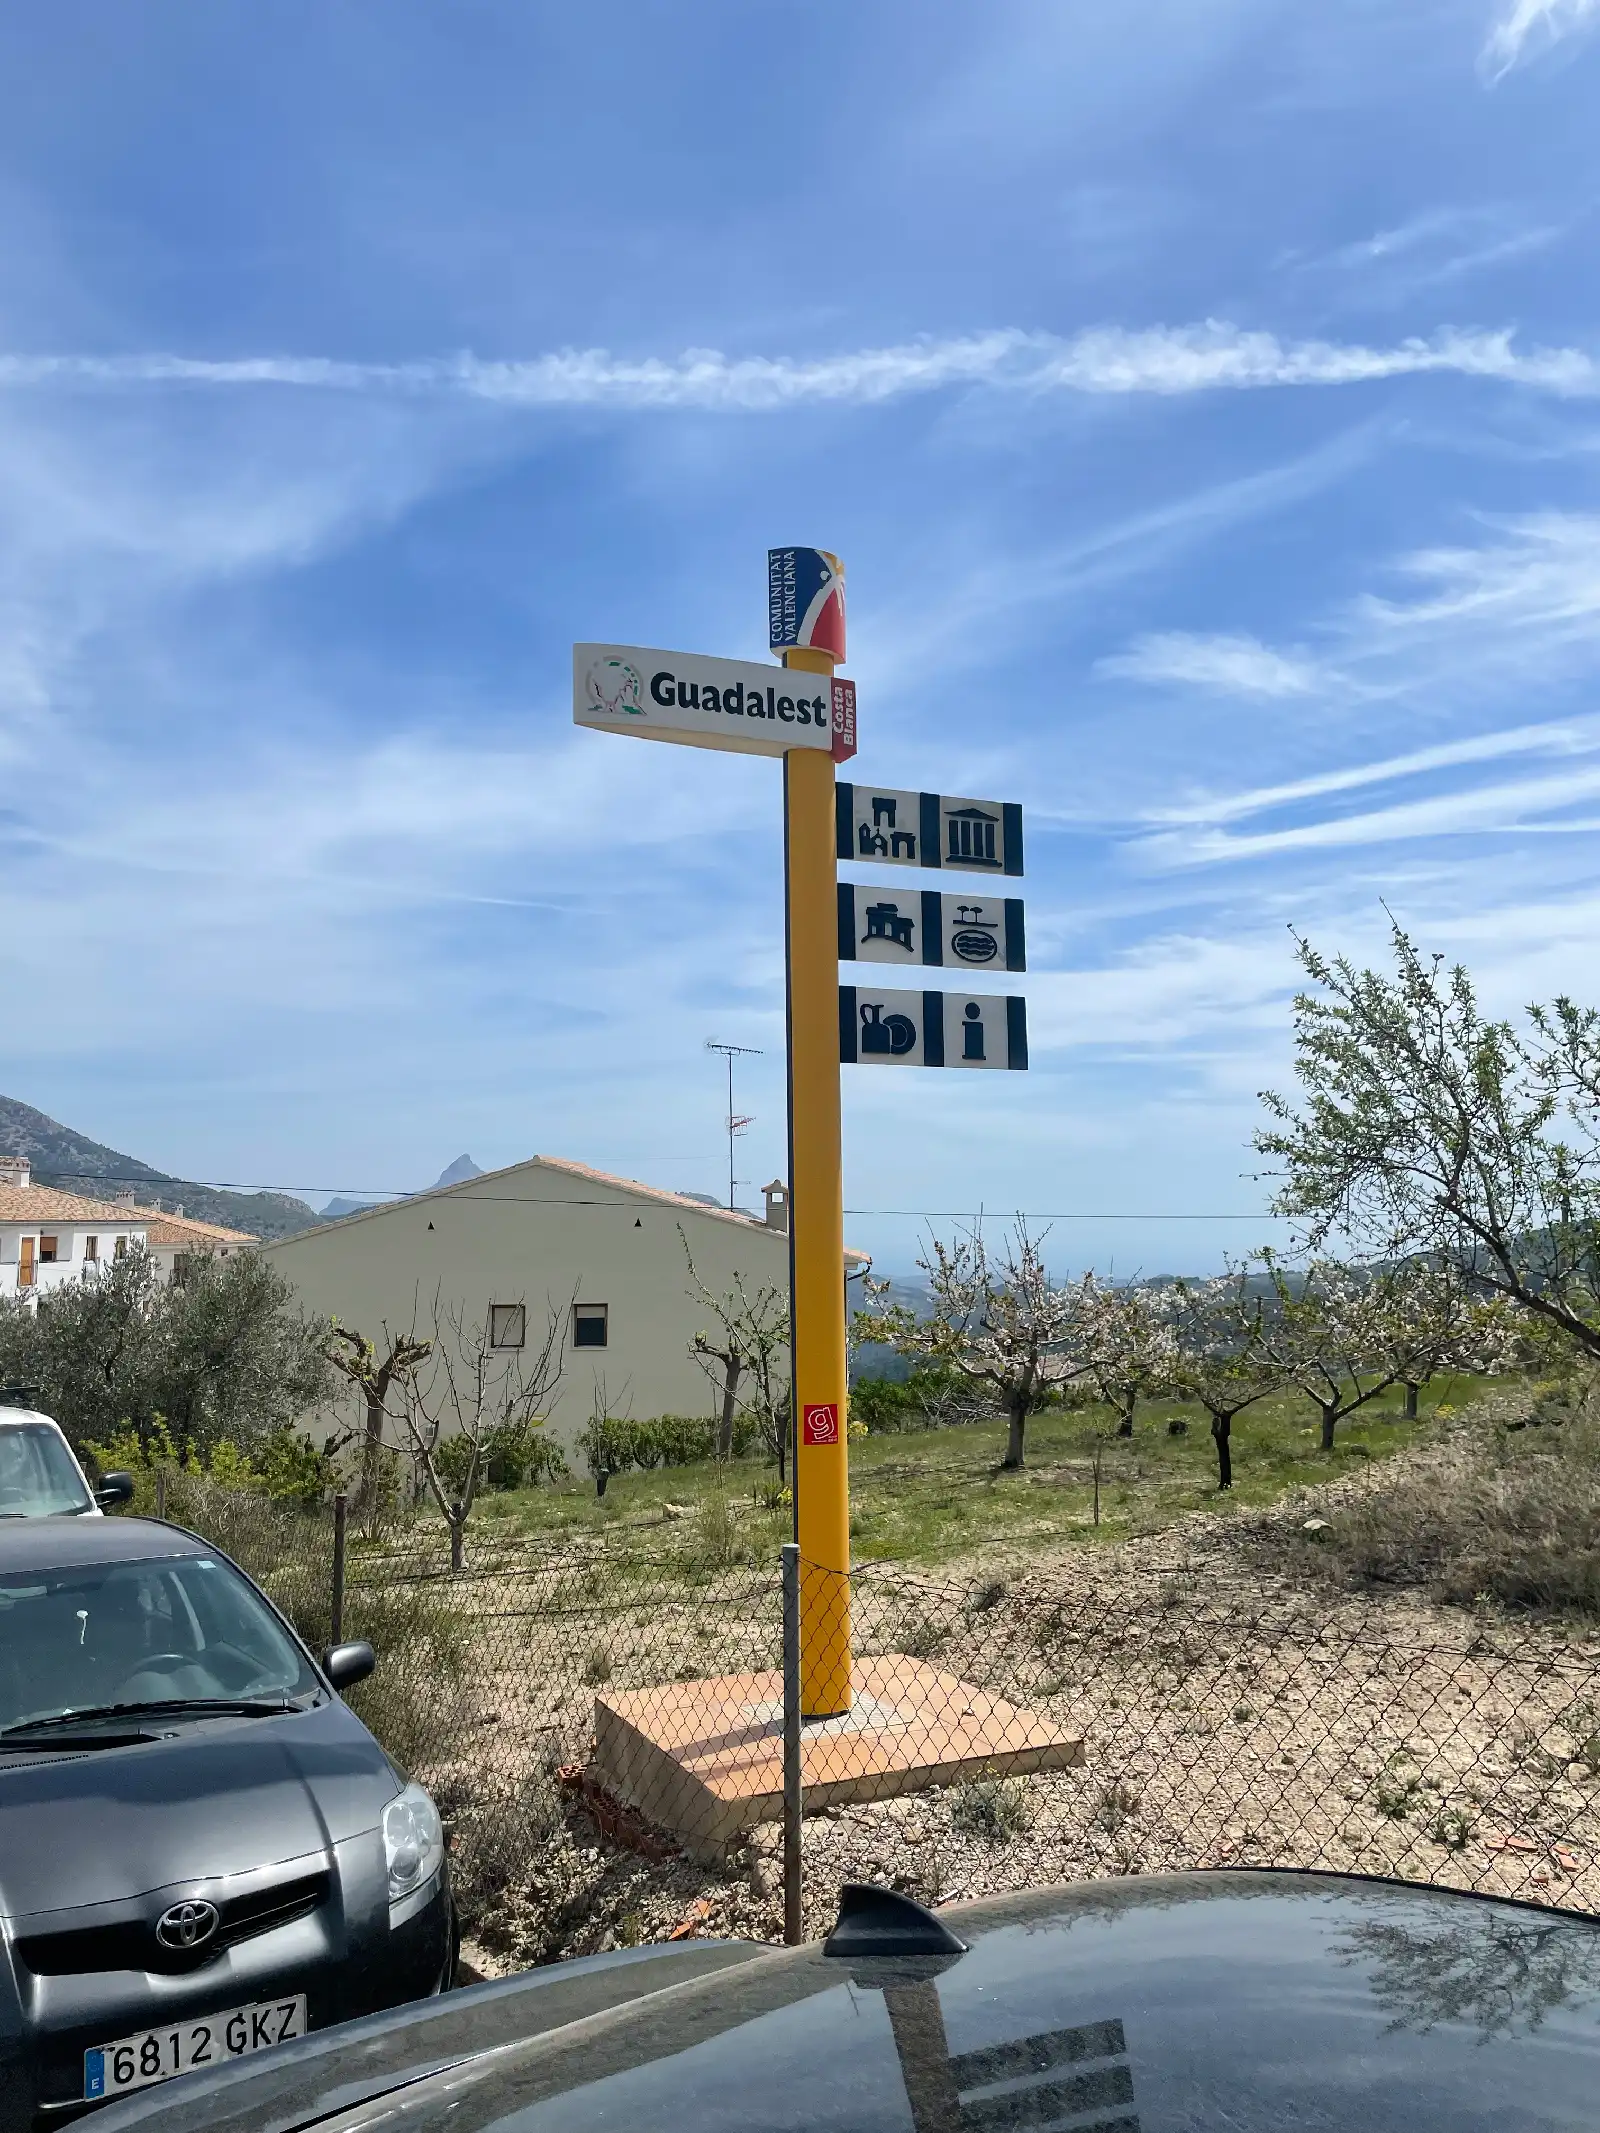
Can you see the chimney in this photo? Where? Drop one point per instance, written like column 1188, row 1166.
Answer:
column 15, row 1170
column 123, row 1199
column 777, row 1198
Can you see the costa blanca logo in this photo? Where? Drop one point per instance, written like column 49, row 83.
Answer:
column 612, row 685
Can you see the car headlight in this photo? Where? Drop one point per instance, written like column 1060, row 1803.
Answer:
column 413, row 1847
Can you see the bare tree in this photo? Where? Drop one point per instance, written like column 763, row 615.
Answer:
column 998, row 1319
column 745, row 1353
column 1129, row 1345
column 1223, row 1358
column 471, row 1389
column 375, row 1376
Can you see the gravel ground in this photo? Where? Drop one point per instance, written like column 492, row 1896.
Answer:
column 1237, row 1706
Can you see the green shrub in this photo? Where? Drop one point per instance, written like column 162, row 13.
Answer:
column 994, row 1810
column 615, row 1444
column 513, row 1456
column 417, row 1700
column 284, row 1464
column 932, row 1397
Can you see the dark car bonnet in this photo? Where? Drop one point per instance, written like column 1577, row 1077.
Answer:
column 1245, row 2002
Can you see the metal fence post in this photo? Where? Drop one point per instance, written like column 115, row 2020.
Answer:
column 793, row 1888
column 341, row 1512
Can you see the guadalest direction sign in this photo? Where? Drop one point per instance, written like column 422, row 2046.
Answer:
column 711, row 703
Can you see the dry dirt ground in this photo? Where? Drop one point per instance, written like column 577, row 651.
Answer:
column 1237, row 1702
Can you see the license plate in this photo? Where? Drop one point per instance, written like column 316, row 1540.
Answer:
column 157, row 2054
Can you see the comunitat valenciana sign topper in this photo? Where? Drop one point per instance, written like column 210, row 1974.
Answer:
column 806, row 713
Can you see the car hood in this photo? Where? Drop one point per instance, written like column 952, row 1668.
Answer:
column 1247, row 2002
column 218, row 1798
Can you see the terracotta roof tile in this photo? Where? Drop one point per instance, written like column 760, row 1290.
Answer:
column 42, row 1203
column 183, row 1229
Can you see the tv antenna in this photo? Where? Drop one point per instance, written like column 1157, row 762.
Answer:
column 737, row 1122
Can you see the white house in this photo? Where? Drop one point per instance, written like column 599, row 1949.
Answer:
column 610, row 1257
column 174, row 1236
column 49, row 1237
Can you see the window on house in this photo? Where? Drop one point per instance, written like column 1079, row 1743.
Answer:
column 25, row 1273
column 48, row 1250
column 508, row 1325
column 589, row 1325
column 120, row 1248
column 91, row 1249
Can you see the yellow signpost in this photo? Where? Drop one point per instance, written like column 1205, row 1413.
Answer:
column 816, row 1225
column 722, row 703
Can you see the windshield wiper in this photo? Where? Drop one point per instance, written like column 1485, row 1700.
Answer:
column 45, row 1733
column 229, row 1706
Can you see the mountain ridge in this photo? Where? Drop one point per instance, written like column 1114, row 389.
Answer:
column 69, row 1160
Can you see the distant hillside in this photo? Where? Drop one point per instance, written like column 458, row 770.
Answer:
column 62, row 1157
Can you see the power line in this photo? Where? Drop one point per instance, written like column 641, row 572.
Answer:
column 381, row 1194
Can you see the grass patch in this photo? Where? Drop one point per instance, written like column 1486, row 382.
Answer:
column 936, row 1494
column 1513, row 1516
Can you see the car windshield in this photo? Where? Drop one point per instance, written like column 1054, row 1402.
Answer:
column 169, row 1631
column 39, row 1478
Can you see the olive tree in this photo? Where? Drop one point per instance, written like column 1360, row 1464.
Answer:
column 226, row 1351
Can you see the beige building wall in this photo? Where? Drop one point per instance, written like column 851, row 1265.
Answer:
column 542, row 1233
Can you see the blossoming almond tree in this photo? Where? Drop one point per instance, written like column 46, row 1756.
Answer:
column 1345, row 1334
column 997, row 1318
column 1224, row 1360
column 1129, row 1346
column 1425, row 1129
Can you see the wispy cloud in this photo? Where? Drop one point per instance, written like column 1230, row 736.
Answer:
column 1440, row 245
column 1518, row 804
column 1209, row 356
column 1580, row 737
column 1543, row 572
column 1227, row 666
column 1533, row 24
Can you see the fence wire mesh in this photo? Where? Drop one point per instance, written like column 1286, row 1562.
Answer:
column 602, row 1724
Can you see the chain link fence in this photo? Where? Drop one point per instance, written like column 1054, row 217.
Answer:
column 603, row 1723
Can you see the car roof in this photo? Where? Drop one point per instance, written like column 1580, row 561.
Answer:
column 68, row 1542
column 10, row 1416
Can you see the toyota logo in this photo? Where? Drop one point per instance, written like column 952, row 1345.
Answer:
column 187, row 1926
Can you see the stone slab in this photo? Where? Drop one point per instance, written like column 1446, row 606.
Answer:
column 704, row 1759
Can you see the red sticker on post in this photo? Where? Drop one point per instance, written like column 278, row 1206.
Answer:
column 820, row 1425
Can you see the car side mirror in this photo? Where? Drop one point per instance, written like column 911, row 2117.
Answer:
column 346, row 1664
column 114, row 1489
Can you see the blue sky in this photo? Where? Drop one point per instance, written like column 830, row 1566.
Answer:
column 1203, row 394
